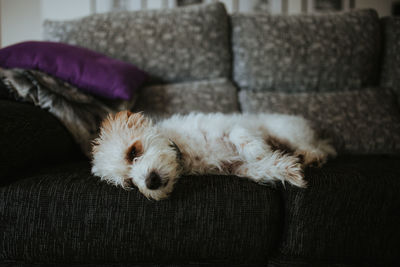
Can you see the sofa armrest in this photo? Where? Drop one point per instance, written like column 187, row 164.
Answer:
column 31, row 138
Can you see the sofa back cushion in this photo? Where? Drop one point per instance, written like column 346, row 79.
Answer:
column 217, row 95
column 172, row 45
column 306, row 52
column 358, row 122
column 390, row 76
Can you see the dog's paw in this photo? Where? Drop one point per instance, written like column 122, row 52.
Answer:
column 312, row 158
column 294, row 175
column 326, row 147
column 275, row 167
column 289, row 169
column 317, row 155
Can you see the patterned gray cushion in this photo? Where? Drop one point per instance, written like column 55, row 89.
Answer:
column 206, row 96
column 358, row 122
column 391, row 54
column 306, row 52
column 173, row 45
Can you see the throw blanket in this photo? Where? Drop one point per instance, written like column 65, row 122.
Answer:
column 80, row 113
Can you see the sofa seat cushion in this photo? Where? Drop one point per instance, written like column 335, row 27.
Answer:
column 306, row 52
column 348, row 214
column 63, row 214
column 216, row 95
column 172, row 45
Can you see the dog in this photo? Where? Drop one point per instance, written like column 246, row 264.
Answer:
column 132, row 150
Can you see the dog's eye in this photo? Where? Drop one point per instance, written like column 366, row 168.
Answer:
column 134, row 151
column 132, row 154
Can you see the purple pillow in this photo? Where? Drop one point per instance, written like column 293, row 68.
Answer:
column 90, row 71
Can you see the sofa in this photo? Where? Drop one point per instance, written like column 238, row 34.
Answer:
column 340, row 70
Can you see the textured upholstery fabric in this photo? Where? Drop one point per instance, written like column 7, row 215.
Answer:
column 348, row 214
column 5, row 93
column 308, row 263
column 19, row 264
column 391, row 54
column 206, row 96
column 306, row 52
column 30, row 138
column 63, row 214
column 366, row 121
column 172, row 45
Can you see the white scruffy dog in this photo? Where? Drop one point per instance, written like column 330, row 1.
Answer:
column 132, row 150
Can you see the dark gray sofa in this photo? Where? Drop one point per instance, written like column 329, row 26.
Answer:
column 54, row 212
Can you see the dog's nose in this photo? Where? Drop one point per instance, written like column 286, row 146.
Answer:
column 153, row 181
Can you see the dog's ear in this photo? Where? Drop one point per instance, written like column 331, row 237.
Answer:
column 132, row 120
column 106, row 124
column 123, row 119
column 137, row 120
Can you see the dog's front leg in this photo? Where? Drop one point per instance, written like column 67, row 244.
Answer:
column 250, row 146
column 276, row 167
column 261, row 164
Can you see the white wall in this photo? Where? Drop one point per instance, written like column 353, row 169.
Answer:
column 294, row 6
column 21, row 20
column 63, row 9
column 0, row 23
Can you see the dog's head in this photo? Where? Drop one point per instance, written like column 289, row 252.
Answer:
column 131, row 151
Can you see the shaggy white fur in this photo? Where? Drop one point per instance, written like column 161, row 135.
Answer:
column 132, row 150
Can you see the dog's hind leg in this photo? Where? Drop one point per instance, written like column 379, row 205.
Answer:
column 296, row 133
column 315, row 154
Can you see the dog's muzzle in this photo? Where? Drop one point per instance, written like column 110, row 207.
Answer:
column 153, row 182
